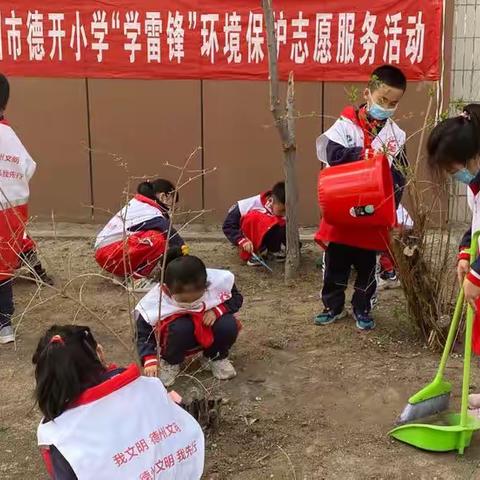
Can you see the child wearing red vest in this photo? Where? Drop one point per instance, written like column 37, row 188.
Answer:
column 198, row 307
column 105, row 422
column 257, row 225
column 134, row 240
column 16, row 169
column 359, row 129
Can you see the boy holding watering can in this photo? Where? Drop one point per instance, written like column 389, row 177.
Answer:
column 367, row 128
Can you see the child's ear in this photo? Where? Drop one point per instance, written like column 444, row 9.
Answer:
column 366, row 94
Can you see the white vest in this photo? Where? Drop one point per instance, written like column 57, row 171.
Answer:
column 16, row 169
column 253, row 203
column 132, row 430
column 403, row 217
column 220, row 284
column 134, row 213
column 348, row 134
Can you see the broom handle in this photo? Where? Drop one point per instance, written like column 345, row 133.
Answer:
column 457, row 314
column 468, row 342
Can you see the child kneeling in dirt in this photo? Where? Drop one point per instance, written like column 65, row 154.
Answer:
column 197, row 313
column 84, row 402
column 134, row 240
column 257, row 225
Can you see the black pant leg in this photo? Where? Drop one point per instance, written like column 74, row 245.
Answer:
column 225, row 332
column 275, row 238
column 6, row 302
column 338, row 263
column 365, row 262
column 180, row 339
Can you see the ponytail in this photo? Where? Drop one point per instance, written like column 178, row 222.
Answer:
column 66, row 363
column 151, row 189
column 455, row 140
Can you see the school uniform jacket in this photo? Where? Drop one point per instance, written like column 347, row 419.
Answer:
column 125, row 428
column 221, row 297
column 16, row 169
column 139, row 215
column 346, row 141
column 251, row 219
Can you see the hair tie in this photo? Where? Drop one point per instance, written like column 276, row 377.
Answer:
column 465, row 115
column 57, row 339
column 185, row 250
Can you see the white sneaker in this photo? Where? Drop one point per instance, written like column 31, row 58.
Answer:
column 7, row 335
column 141, row 285
column 168, row 373
column 222, row 369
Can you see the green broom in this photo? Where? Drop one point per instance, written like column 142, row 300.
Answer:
column 435, row 397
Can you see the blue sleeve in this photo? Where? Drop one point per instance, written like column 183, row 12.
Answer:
column 146, row 341
column 161, row 224
column 466, row 240
column 235, row 303
column 476, row 266
column 231, row 225
column 338, row 154
column 61, row 468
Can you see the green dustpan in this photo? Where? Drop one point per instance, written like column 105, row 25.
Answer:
column 457, row 433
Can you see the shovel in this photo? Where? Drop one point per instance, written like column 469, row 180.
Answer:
column 434, row 398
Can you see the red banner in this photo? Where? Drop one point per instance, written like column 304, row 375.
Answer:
column 192, row 39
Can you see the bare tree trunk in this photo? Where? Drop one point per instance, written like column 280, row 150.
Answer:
column 285, row 123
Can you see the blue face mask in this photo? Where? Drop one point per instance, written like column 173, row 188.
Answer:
column 380, row 113
column 463, row 176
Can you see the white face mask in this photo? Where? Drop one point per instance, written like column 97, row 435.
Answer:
column 196, row 305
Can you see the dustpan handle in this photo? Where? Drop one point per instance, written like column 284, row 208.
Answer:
column 468, row 342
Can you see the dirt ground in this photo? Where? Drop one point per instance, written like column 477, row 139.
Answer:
column 308, row 402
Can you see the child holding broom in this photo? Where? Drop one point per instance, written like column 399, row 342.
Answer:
column 453, row 148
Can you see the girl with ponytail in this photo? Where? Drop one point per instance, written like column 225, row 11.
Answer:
column 197, row 314
column 84, row 401
column 134, row 240
column 454, row 148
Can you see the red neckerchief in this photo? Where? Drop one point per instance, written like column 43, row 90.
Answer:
column 370, row 127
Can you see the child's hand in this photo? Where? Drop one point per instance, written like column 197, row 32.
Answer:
column 209, row 318
column 463, row 267
column 472, row 293
column 151, row 371
column 248, row 246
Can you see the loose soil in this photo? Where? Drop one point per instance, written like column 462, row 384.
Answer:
column 308, row 402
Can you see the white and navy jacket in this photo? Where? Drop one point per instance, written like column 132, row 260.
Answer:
column 139, row 215
column 352, row 134
column 222, row 297
column 473, row 196
column 232, row 223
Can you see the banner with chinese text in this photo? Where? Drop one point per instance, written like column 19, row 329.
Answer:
column 218, row 39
